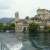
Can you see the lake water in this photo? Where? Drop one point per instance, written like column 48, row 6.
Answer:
column 8, row 41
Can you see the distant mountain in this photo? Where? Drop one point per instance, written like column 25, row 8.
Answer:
column 6, row 20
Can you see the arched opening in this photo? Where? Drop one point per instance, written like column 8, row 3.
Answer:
column 24, row 30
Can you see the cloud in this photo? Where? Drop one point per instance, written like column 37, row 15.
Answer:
column 8, row 7
column 25, row 7
column 5, row 8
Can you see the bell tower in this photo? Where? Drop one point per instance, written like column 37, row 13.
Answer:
column 16, row 19
column 16, row 16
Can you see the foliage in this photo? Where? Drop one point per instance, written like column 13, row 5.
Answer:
column 33, row 29
column 49, row 30
column 1, row 26
column 27, row 17
column 10, row 26
column 6, row 27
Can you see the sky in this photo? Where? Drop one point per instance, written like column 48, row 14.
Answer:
column 24, row 7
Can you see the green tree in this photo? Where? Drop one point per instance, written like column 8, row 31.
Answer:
column 33, row 32
column 12, row 26
column 33, row 29
column 1, row 26
column 27, row 17
column 6, row 27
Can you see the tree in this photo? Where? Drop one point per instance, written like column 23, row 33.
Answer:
column 33, row 29
column 12, row 26
column 6, row 27
column 27, row 17
column 33, row 32
column 1, row 26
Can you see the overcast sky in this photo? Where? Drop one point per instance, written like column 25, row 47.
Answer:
column 24, row 7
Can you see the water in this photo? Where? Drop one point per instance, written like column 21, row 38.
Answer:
column 8, row 41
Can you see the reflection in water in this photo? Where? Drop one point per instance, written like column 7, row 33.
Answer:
column 6, row 46
column 17, row 47
column 9, row 42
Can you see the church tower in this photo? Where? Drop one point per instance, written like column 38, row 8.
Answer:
column 16, row 16
column 16, row 19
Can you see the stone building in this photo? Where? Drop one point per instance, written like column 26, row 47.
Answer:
column 43, row 18
column 20, row 23
column 21, row 27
